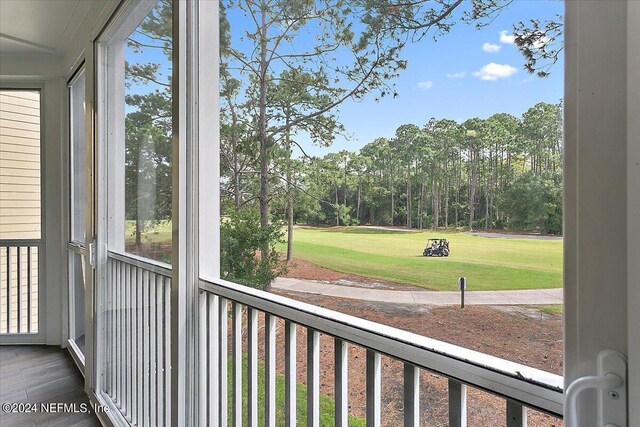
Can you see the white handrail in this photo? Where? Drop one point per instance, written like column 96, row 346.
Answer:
column 532, row 387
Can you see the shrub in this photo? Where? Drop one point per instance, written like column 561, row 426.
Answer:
column 241, row 242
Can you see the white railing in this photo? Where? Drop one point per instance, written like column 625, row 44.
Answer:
column 19, row 284
column 521, row 386
column 137, row 332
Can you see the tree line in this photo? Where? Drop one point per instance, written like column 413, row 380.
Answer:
column 285, row 68
column 503, row 172
column 443, row 174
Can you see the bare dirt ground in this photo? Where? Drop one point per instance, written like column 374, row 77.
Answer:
column 521, row 334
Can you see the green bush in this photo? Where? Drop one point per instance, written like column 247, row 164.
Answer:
column 243, row 244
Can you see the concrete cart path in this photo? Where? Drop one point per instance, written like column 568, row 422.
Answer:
column 516, row 297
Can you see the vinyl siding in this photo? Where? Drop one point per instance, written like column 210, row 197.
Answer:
column 20, row 192
column 20, row 208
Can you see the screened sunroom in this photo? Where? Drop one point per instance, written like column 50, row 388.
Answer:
column 99, row 327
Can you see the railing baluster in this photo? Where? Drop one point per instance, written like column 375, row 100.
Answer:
column 237, row 364
column 224, row 361
column 139, row 348
column 203, row 359
column 270, row 370
column 129, row 337
column 144, row 310
column 252, row 365
column 167, row 349
column 109, row 326
column 122, row 334
column 374, row 372
column 35, row 314
column 457, row 404
column 341, row 356
column 2, row 277
column 19, row 288
column 8, row 289
column 290, row 380
column 213, row 362
column 160, row 402
column 29, row 289
column 516, row 414
column 153, row 350
column 133, row 344
column 114, row 319
column 112, row 331
column 313, row 378
column 119, row 333
column 411, row 395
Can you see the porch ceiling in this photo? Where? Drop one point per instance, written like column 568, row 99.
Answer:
column 40, row 26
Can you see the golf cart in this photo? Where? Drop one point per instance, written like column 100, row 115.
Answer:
column 436, row 247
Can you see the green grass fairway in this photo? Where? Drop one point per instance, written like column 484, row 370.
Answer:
column 159, row 233
column 487, row 263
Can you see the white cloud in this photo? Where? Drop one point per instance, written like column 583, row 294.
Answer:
column 427, row 84
column 495, row 71
column 507, row 38
column 458, row 75
column 491, row 48
column 542, row 42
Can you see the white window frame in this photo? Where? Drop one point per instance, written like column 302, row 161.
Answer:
column 75, row 245
column 41, row 336
column 109, row 135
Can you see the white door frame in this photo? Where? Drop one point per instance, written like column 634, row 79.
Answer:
column 598, row 226
column 633, row 208
column 75, row 246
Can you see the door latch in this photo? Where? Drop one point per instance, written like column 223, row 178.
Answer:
column 92, row 254
column 611, row 383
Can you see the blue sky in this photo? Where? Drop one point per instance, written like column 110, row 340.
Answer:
column 444, row 80
column 466, row 73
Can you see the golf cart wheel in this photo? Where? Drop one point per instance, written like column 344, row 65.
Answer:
column 440, row 254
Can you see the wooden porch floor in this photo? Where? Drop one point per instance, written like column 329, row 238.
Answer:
column 41, row 374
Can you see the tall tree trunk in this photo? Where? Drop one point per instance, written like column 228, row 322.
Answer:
column 472, row 194
column 290, row 230
column 486, row 210
column 421, row 204
column 358, row 203
column 262, row 134
column 337, row 206
column 138, row 233
column 236, row 180
column 237, row 197
column 409, row 197
column 436, row 205
column 458, row 183
column 446, row 205
column 344, row 197
column 393, row 202
column 289, row 195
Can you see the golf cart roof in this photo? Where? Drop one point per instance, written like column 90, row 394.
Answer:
column 437, row 239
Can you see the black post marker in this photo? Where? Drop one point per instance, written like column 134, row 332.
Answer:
column 462, row 284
